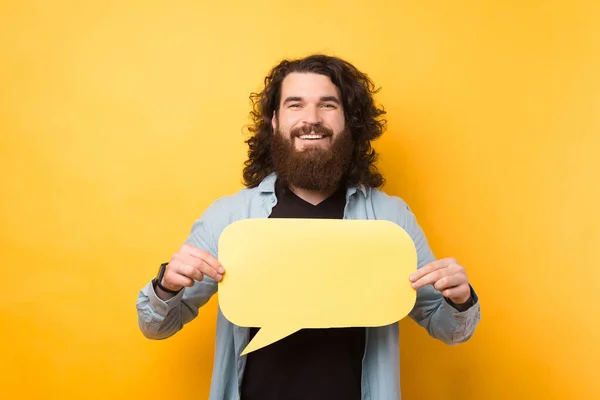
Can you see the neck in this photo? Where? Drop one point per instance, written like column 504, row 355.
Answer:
column 313, row 197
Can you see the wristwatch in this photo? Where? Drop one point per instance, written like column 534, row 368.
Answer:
column 159, row 277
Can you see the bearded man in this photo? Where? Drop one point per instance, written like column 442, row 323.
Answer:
column 310, row 156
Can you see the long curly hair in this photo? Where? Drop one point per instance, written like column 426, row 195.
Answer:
column 362, row 117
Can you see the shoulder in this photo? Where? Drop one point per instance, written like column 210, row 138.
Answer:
column 246, row 201
column 232, row 207
column 395, row 209
column 223, row 211
column 392, row 208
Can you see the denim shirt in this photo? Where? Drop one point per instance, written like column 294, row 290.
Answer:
column 160, row 319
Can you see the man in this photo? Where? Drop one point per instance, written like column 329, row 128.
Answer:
column 309, row 156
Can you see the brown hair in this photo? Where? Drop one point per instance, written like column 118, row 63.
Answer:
column 361, row 115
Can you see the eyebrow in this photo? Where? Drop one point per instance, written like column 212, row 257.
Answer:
column 292, row 99
column 333, row 99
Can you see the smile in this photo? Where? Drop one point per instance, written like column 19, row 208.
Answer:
column 311, row 137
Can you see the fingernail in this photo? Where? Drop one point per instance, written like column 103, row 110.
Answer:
column 414, row 285
column 221, row 270
column 219, row 277
column 412, row 278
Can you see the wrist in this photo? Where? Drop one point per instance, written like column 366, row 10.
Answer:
column 461, row 301
column 159, row 281
column 163, row 292
column 160, row 286
column 463, row 305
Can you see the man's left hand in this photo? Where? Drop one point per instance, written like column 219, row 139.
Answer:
column 447, row 276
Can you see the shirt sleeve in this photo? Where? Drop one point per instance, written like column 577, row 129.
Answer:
column 160, row 319
column 431, row 311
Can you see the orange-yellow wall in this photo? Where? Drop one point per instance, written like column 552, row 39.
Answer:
column 121, row 121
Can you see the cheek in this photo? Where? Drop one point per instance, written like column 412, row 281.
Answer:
column 337, row 122
column 286, row 122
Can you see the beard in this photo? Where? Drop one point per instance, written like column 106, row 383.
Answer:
column 314, row 168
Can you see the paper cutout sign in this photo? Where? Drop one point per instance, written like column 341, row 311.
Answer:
column 283, row 275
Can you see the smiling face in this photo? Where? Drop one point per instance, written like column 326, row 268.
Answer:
column 300, row 92
column 310, row 111
column 311, row 149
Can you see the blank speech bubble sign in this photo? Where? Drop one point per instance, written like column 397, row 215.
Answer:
column 283, row 275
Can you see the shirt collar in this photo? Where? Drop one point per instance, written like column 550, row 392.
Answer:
column 267, row 185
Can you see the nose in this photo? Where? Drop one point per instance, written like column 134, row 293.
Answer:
column 311, row 115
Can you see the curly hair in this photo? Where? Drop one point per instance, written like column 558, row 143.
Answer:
column 361, row 114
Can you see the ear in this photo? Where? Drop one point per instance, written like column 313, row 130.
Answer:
column 274, row 121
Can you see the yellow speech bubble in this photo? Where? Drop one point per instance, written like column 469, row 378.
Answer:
column 284, row 275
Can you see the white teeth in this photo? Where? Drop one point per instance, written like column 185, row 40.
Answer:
column 303, row 137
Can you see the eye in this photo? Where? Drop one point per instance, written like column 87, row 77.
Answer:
column 295, row 105
column 328, row 105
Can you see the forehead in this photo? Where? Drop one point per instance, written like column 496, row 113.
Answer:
column 307, row 85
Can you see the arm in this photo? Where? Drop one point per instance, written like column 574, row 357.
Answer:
column 433, row 311
column 160, row 319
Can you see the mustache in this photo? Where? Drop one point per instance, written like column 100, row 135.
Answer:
column 307, row 129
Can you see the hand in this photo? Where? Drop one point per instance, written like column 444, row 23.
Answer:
column 190, row 264
column 447, row 276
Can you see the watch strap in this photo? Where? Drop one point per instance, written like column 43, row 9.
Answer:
column 161, row 273
column 164, row 289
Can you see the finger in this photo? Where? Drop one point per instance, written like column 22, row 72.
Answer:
column 174, row 280
column 210, row 271
column 450, row 281
column 432, row 266
column 205, row 256
column 430, row 278
column 200, row 264
column 190, row 271
column 177, row 281
column 457, row 269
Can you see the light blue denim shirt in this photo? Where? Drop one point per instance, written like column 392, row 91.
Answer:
column 381, row 363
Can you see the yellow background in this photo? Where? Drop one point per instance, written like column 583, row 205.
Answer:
column 121, row 121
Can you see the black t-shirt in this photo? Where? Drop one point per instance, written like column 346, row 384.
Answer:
column 311, row 364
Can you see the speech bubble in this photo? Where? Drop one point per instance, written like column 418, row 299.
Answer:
column 283, row 275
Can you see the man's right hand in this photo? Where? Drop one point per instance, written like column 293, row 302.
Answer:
column 190, row 264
